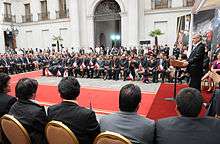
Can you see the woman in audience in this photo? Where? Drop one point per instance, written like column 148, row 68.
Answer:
column 80, row 120
column 215, row 68
column 214, row 104
column 6, row 101
column 28, row 112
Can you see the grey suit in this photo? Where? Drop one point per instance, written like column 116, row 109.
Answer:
column 134, row 127
column 184, row 130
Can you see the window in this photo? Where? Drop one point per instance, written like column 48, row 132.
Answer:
column 62, row 5
column 7, row 7
column 160, row 4
column 28, row 16
column 44, row 15
column 63, row 11
column 43, row 6
column 7, row 13
column 27, row 9
column 188, row 3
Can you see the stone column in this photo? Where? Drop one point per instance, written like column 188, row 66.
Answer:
column 2, row 41
column 124, row 29
column 75, row 23
column 141, row 8
column 133, row 23
column 90, row 25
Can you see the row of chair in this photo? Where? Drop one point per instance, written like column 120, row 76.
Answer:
column 56, row 133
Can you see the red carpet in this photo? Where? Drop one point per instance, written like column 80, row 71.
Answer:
column 106, row 101
column 161, row 108
column 102, row 100
column 34, row 74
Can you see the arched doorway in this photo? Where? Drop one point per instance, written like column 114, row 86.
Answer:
column 107, row 24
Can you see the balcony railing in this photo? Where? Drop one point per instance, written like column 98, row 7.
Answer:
column 188, row 3
column 62, row 14
column 43, row 16
column 9, row 18
column 162, row 4
column 27, row 18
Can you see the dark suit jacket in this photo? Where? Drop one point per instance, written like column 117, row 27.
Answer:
column 184, row 130
column 6, row 102
column 33, row 117
column 80, row 120
column 196, row 59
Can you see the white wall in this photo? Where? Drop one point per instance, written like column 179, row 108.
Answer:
column 39, row 32
column 2, row 43
column 167, row 17
column 137, row 20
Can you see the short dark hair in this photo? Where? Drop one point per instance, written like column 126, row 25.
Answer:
column 4, row 79
column 189, row 102
column 129, row 98
column 25, row 88
column 69, row 88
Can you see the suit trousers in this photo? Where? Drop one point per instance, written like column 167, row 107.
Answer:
column 195, row 81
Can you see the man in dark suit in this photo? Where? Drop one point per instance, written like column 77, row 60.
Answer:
column 80, row 120
column 30, row 114
column 195, row 62
column 188, row 127
column 6, row 101
column 138, row 129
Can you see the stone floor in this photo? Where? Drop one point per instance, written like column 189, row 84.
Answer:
column 103, row 84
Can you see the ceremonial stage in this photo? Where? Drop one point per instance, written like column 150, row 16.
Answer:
column 102, row 95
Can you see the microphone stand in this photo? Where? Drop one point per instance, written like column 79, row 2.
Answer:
column 174, row 88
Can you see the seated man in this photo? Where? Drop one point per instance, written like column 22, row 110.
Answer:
column 188, row 127
column 31, row 115
column 127, row 122
column 80, row 120
column 6, row 101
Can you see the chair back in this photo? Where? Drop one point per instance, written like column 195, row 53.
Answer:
column 14, row 130
column 111, row 138
column 58, row 133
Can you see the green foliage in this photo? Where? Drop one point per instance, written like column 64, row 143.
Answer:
column 57, row 38
column 156, row 33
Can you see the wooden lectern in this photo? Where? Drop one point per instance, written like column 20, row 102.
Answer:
column 176, row 64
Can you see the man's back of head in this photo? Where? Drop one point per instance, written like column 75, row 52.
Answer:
column 69, row 88
column 189, row 102
column 129, row 98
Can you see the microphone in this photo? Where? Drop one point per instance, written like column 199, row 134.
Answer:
column 90, row 102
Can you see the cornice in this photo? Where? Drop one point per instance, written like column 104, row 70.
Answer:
column 45, row 22
column 168, row 10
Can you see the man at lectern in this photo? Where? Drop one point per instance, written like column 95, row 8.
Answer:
column 195, row 62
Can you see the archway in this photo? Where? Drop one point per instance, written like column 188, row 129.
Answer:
column 107, row 24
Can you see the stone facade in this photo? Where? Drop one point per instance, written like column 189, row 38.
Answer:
column 77, row 30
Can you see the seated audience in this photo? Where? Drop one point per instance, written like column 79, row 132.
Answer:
column 80, row 120
column 127, row 122
column 188, row 127
column 6, row 101
column 28, row 112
